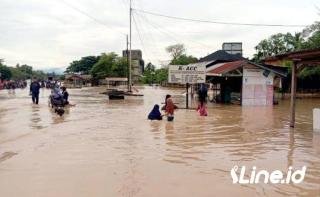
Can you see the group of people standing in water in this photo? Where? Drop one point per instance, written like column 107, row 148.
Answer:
column 57, row 92
column 169, row 106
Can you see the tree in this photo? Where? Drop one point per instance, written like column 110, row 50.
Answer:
column 109, row 65
column 84, row 65
column 38, row 74
column 149, row 67
column 5, row 72
column 161, row 75
column 22, row 72
column 308, row 38
column 277, row 44
column 178, row 54
column 149, row 74
column 120, row 68
column 176, row 50
column 312, row 33
column 184, row 60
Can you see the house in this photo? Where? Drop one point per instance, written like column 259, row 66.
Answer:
column 253, row 84
column 77, row 81
column 116, row 82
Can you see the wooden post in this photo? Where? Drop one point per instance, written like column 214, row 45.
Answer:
column 187, row 96
column 293, row 94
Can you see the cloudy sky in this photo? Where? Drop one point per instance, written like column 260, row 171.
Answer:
column 52, row 33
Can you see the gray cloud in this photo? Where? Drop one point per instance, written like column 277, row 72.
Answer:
column 49, row 33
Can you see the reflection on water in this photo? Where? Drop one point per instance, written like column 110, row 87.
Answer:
column 108, row 148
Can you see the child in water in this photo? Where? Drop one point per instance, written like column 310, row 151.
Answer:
column 169, row 108
column 202, row 110
column 155, row 113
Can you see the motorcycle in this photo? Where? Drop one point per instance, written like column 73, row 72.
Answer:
column 57, row 103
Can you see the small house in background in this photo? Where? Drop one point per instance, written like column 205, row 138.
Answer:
column 77, row 81
column 116, row 82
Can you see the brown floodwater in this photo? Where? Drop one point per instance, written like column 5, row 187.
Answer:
column 107, row 148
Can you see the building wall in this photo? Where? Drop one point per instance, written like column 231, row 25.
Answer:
column 137, row 64
column 135, row 54
column 257, row 88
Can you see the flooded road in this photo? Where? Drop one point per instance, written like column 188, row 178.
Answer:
column 107, row 148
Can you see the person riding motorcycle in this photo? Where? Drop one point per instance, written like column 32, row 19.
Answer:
column 56, row 97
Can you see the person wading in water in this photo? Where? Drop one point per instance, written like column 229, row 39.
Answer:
column 202, row 95
column 169, row 108
column 35, row 90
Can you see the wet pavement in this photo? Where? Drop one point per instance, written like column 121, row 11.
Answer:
column 108, row 148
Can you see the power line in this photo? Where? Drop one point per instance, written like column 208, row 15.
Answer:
column 139, row 35
column 153, row 47
column 91, row 17
column 168, row 32
column 148, row 37
column 217, row 22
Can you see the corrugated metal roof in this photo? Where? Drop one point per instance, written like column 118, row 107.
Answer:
column 214, row 66
column 221, row 69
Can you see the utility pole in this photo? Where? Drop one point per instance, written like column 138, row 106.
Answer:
column 128, row 67
column 130, row 42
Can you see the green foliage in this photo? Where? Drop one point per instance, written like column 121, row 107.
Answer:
column 152, row 75
column 5, row 72
column 84, row 65
column 18, row 72
column 38, row 74
column 161, row 75
column 109, row 65
column 22, row 72
column 308, row 38
column 310, row 72
column 184, row 60
column 149, row 74
column 277, row 44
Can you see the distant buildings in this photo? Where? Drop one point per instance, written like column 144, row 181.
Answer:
column 137, row 64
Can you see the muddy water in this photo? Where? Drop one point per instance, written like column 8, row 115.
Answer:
column 108, row 148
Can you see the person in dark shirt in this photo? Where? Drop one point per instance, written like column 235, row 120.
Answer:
column 202, row 93
column 155, row 113
column 35, row 90
column 65, row 95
